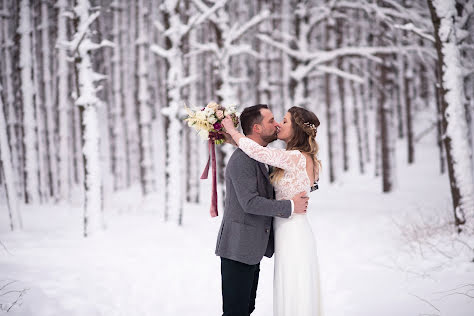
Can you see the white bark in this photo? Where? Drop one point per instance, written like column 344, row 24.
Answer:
column 131, row 128
column 29, row 118
column 8, row 172
column 159, row 157
column 48, row 99
column 263, row 85
column 144, row 110
column 64, row 105
column 458, row 152
column 457, row 129
column 194, row 165
column 286, row 63
column 82, row 46
column 175, row 80
column 40, row 115
column 119, row 164
column 10, row 102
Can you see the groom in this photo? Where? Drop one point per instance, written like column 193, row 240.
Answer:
column 246, row 234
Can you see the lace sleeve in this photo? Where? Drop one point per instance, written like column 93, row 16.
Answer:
column 280, row 158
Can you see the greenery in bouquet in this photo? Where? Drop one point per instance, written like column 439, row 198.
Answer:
column 207, row 121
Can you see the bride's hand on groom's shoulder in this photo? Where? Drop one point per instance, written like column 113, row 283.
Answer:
column 228, row 139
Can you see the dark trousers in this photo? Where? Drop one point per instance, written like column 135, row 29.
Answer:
column 239, row 287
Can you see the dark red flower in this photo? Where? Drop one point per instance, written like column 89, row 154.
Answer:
column 217, row 126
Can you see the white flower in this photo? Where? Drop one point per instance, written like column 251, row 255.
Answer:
column 204, row 134
column 212, row 105
column 208, row 112
column 201, row 116
column 212, row 119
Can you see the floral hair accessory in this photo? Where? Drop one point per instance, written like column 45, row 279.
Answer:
column 312, row 126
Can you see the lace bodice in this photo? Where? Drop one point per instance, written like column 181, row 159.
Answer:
column 295, row 178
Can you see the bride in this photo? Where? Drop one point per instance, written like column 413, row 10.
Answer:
column 296, row 289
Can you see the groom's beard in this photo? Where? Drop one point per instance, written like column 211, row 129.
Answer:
column 270, row 138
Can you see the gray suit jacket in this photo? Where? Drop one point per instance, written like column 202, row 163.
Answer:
column 246, row 233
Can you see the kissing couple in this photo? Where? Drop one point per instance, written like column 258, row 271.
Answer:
column 265, row 212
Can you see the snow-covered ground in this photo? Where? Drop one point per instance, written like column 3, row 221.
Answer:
column 142, row 266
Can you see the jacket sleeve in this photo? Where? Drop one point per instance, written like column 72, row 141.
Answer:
column 244, row 181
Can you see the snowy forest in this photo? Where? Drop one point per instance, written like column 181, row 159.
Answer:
column 92, row 98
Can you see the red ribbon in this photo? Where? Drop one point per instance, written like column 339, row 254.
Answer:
column 205, row 173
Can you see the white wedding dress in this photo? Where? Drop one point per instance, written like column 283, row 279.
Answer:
column 296, row 285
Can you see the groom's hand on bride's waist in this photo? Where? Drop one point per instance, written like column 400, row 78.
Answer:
column 300, row 201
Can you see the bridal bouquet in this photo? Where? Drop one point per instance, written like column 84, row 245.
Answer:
column 207, row 121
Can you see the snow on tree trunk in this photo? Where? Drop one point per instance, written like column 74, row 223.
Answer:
column 195, row 141
column 175, row 79
column 342, row 95
column 263, row 74
column 118, row 159
column 176, row 30
column 159, row 157
column 29, row 117
column 87, row 101
column 132, row 156
column 143, row 104
column 8, row 172
column 444, row 17
column 12, row 115
column 64, row 106
column 331, row 134
column 40, row 112
column 48, row 101
column 286, row 62
column 227, row 46
column 357, row 124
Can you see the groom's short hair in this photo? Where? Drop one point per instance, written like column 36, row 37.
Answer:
column 251, row 116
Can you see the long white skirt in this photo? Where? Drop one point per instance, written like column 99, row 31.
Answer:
column 296, row 287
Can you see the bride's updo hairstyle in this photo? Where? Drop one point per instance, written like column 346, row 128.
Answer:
column 304, row 124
